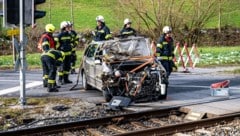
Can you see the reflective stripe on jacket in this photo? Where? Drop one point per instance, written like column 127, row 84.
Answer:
column 75, row 39
column 102, row 33
column 128, row 31
column 64, row 42
column 54, row 54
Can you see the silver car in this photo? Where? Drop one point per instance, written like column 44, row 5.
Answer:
column 124, row 67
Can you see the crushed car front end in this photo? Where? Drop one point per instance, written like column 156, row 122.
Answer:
column 130, row 70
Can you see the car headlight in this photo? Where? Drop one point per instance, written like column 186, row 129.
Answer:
column 117, row 73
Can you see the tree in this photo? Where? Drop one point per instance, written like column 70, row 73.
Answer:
column 186, row 17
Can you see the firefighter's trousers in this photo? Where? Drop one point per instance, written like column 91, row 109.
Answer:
column 49, row 68
column 167, row 64
column 73, row 59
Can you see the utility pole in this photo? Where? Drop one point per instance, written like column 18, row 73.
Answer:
column 50, row 11
column 219, row 16
column 22, row 57
column 72, row 17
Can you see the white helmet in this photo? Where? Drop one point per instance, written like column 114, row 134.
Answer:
column 126, row 21
column 100, row 18
column 63, row 24
column 167, row 29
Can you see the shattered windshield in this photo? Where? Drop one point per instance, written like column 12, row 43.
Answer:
column 126, row 48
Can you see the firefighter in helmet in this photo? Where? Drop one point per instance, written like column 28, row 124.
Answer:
column 46, row 43
column 50, row 60
column 64, row 43
column 102, row 32
column 75, row 42
column 127, row 30
column 165, row 49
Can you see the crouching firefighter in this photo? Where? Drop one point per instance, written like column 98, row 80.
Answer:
column 50, row 61
column 46, row 43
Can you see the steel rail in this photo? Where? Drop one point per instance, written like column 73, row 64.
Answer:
column 182, row 127
column 89, row 123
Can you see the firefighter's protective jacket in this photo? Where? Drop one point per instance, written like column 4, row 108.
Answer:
column 127, row 32
column 64, row 42
column 165, row 48
column 46, row 42
column 102, row 33
column 75, row 39
column 55, row 55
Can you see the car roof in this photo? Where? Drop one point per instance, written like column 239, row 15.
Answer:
column 118, row 40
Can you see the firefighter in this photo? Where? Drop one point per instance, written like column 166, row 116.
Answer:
column 64, row 44
column 127, row 30
column 102, row 32
column 46, row 43
column 75, row 41
column 50, row 60
column 165, row 49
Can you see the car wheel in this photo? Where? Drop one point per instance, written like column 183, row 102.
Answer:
column 107, row 96
column 84, row 82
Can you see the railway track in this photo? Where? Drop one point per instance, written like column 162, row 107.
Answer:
column 154, row 122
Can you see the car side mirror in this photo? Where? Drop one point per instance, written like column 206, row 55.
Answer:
column 97, row 62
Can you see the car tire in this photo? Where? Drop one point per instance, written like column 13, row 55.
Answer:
column 107, row 96
column 84, row 82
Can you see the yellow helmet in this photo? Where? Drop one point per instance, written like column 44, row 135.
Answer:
column 50, row 28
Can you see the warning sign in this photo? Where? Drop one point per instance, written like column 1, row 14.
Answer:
column 13, row 32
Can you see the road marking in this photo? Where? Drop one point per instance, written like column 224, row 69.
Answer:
column 198, row 86
column 190, row 86
column 9, row 80
column 17, row 88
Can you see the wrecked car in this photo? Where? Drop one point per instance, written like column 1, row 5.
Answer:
column 124, row 67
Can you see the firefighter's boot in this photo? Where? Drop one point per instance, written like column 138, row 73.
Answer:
column 52, row 88
column 73, row 71
column 60, row 80
column 66, row 80
column 45, row 82
column 57, row 86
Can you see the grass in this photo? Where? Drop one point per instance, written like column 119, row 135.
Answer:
column 220, row 56
column 85, row 12
column 33, row 60
column 6, row 60
column 230, row 15
column 9, row 114
column 214, row 56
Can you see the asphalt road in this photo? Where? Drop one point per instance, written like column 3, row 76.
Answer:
column 197, row 79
